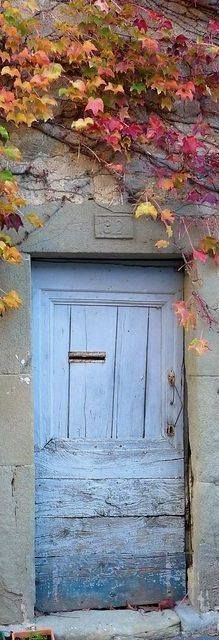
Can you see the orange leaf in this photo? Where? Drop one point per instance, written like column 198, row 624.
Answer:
column 186, row 91
column 88, row 47
column 186, row 317
column 199, row 345
column 12, row 255
column 149, row 44
column 162, row 244
column 167, row 215
column 41, row 58
column 118, row 88
column 166, row 183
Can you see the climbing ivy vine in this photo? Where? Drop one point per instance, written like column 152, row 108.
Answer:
column 123, row 69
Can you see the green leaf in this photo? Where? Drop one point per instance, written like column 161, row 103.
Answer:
column 138, row 87
column 6, row 174
column 3, row 133
column 7, row 239
column 12, row 153
column 63, row 92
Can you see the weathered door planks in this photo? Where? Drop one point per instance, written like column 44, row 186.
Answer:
column 109, row 480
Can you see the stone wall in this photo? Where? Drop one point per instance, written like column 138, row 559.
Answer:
column 16, row 455
column 75, row 197
column 202, row 377
column 71, row 233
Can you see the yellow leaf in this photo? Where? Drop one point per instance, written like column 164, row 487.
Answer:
column 32, row 5
column 166, row 103
column 35, row 220
column 30, row 118
column 79, row 85
column 52, row 71
column 17, row 117
column 169, row 231
column 10, row 71
column 12, row 255
column 162, row 244
column 146, row 209
column 81, row 123
column 12, row 300
column 2, row 307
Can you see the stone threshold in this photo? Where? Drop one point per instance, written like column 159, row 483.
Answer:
column 123, row 624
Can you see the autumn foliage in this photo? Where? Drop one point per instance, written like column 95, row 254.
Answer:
column 123, row 69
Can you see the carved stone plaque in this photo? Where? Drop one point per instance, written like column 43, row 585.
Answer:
column 114, row 226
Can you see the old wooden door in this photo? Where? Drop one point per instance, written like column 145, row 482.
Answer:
column 109, row 435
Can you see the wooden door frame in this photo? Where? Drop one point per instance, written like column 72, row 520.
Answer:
column 129, row 261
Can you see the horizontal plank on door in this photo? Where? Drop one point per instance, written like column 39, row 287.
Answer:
column 80, row 459
column 104, row 277
column 126, row 497
column 104, row 535
column 64, row 584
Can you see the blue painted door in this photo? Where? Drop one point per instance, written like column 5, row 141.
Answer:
column 109, row 436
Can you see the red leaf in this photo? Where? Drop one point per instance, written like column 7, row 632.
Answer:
column 141, row 24
column 167, row 603
column 200, row 255
column 95, row 105
column 213, row 26
column 106, row 71
column 119, row 168
column 155, row 128
column 114, row 124
column 12, row 221
column 191, row 144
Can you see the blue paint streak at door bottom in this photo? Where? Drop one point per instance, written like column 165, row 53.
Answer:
column 98, row 584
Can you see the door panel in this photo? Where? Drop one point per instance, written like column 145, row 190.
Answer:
column 109, row 478
column 93, row 329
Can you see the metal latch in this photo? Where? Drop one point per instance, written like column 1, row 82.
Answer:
column 87, row 356
column 171, row 378
column 170, row 430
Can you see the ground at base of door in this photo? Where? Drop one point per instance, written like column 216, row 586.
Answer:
column 182, row 622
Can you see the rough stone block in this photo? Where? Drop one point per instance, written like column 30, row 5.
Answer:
column 108, row 625
column 15, row 353
column 16, row 420
column 209, row 291
column 192, row 621
column 204, row 574
column 16, row 549
column 69, row 232
column 205, row 515
column 203, row 412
